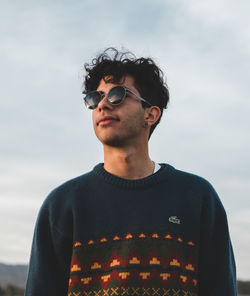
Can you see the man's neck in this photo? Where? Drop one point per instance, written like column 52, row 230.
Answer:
column 128, row 163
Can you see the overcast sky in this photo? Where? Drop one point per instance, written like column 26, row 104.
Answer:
column 46, row 134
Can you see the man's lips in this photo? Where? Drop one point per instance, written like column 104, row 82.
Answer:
column 106, row 120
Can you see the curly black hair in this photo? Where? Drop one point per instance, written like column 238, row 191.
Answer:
column 112, row 66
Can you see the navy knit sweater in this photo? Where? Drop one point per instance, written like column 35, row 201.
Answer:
column 163, row 235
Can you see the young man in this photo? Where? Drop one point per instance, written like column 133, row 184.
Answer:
column 130, row 226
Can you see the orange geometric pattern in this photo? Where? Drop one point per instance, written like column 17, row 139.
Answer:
column 115, row 262
column 86, row 280
column 154, row 261
column 130, row 236
column 102, row 240
column 165, row 276
column 183, row 278
column 175, row 262
column 142, row 264
column 105, row 277
column 134, row 260
column 190, row 267
column 135, row 291
column 96, row 265
column 124, row 275
column 144, row 275
column 75, row 267
column 77, row 244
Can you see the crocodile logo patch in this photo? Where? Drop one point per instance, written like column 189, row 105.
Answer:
column 174, row 219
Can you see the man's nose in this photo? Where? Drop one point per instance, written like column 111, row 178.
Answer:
column 104, row 104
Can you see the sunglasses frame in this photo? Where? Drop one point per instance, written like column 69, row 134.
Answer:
column 102, row 94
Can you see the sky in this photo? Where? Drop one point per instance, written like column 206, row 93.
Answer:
column 46, row 134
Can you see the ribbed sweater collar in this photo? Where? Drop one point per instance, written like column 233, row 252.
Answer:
column 151, row 180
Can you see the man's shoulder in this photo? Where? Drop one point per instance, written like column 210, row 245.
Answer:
column 73, row 183
column 193, row 182
column 68, row 190
column 189, row 177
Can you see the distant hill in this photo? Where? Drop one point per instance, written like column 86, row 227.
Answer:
column 13, row 274
column 243, row 288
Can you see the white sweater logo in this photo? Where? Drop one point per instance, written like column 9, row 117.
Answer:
column 174, row 219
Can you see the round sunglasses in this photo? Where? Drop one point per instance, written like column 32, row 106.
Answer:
column 115, row 97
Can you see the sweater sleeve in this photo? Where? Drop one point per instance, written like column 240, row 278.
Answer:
column 49, row 265
column 217, row 272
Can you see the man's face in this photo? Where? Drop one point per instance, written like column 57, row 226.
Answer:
column 119, row 125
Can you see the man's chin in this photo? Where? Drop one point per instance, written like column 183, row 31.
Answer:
column 115, row 141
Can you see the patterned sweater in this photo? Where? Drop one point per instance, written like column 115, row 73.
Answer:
column 163, row 235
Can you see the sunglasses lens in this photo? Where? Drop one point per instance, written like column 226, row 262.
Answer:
column 92, row 99
column 116, row 95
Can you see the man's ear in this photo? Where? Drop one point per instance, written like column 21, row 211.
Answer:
column 151, row 115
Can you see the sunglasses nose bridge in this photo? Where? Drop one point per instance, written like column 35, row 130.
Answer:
column 104, row 103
